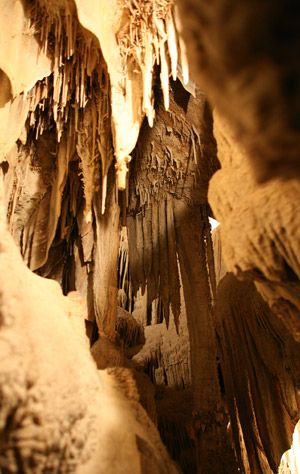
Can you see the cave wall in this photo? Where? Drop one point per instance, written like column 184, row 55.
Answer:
column 83, row 70
column 261, row 393
column 60, row 131
column 244, row 56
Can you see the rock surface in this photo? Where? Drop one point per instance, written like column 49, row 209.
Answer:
column 57, row 412
column 71, row 101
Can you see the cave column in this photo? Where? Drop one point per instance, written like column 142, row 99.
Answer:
column 105, row 283
column 193, row 267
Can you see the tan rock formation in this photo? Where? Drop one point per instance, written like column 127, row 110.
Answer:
column 245, row 57
column 57, row 413
column 166, row 354
column 267, row 249
column 261, row 391
column 77, row 79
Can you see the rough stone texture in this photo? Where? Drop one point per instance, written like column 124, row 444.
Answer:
column 267, row 384
column 267, row 250
column 174, row 161
column 129, row 440
column 166, row 355
column 45, row 387
column 174, row 411
column 146, row 391
column 245, row 57
column 252, row 88
column 57, row 413
column 107, row 354
column 62, row 205
column 130, row 331
column 168, row 227
column 261, row 392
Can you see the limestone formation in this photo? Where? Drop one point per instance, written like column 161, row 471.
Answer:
column 124, row 126
column 57, row 413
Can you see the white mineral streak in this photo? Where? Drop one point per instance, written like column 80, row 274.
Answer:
column 104, row 191
column 147, row 68
column 164, row 76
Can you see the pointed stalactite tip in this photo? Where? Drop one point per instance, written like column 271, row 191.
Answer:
column 121, row 170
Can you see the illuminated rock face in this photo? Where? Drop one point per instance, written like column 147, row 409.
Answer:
column 77, row 79
column 61, row 111
column 58, row 414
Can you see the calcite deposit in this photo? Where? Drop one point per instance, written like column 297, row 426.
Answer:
column 132, row 340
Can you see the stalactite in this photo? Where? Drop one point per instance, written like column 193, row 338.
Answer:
column 77, row 62
column 106, row 260
column 150, row 32
column 147, row 242
column 165, row 355
column 164, row 76
column 172, row 44
column 133, row 256
column 183, row 51
column 164, row 284
column 174, row 281
column 140, row 250
column 124, row 282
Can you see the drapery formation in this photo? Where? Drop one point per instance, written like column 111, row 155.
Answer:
column 89, row 77
column 173, row 164
column 261, row 393
column 168, row 230
column 79, row 80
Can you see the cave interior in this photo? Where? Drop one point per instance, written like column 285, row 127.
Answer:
column 149, row 258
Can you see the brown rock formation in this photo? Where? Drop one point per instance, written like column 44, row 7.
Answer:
column 78, row 80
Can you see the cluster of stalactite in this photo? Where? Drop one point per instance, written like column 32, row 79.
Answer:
column 56, row 181
column 58, row 178
column 63, row 211
column 168, row 227
column 68, row 134
column 76, row 96
column 150, row 37
column 172, row 165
